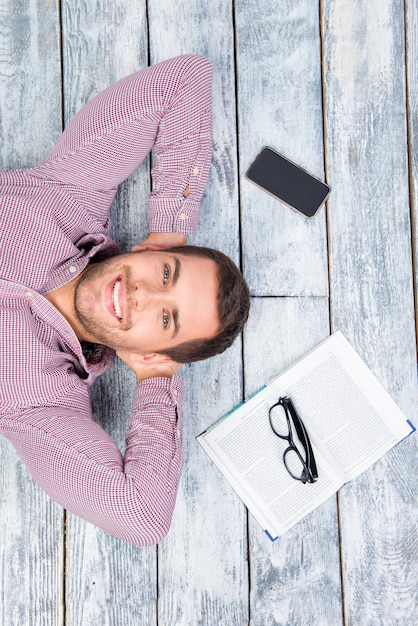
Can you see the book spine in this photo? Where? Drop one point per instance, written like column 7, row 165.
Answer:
column 232, row 410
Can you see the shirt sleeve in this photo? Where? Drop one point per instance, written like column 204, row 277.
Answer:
column 167, row 105
column 78, row 464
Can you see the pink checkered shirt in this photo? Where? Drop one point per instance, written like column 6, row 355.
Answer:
column 53, row 221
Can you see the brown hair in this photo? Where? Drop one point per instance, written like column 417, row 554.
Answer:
column 233, row 307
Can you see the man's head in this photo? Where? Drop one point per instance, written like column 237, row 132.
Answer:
column 188, row 303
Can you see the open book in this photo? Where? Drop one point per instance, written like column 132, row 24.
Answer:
column 350, row 419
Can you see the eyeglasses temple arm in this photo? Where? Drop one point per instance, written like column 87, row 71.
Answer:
column 303, row 436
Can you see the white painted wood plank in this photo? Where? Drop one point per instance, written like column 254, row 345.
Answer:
column 411, row 17
column 280, row 105
column 109, row 582
column 296, row 579
column 371, row 289
column 30, row 94
column 203, row 562
column 31, row 531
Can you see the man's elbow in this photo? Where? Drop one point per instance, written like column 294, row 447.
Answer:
column 150, row 536
column 151, row 523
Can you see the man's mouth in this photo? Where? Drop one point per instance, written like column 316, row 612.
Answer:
column 115, row 299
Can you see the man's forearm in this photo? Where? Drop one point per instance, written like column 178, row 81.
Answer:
column 80, row 467
column 167, row 104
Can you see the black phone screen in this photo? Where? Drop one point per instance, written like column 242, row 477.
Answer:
column 288, row 182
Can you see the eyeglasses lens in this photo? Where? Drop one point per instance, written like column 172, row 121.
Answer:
column 294, row 464
column 279, row 421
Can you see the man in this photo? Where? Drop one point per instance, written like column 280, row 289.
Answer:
column 66, row 300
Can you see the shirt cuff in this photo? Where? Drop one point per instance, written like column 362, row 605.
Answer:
column 172, row 215
column 159, row 390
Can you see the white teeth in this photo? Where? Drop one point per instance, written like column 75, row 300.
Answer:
column 115, row 299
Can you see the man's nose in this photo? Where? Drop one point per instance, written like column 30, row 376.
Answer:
column 143, row 295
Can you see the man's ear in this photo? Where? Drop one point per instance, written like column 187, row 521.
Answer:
column 152, row 358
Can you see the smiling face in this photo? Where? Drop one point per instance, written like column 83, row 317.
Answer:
column 147, row 301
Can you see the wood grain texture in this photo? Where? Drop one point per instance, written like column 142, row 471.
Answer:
column 411, row 30
column 372, row 290
column 203, row 562
column 280, row 105
column 30, row 523
column 213, row 569
column 296, row 579
column 29, row 74
column 108, row 581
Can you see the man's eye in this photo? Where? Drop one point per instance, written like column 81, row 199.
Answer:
column 166, row 274
column 166, row 319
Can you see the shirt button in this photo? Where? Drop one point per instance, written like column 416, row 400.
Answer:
column 72, row 269
column 175, row 393
column 183, row 216
column 196, row 170
column 29, row 294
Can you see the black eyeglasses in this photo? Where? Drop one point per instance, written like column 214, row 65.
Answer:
column 300, row 464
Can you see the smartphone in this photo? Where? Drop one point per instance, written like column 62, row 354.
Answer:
column 288, row 182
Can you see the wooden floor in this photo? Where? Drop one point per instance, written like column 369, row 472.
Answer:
column 332, row 84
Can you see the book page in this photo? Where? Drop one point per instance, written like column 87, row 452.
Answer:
column 251, row 457
column 348, row 414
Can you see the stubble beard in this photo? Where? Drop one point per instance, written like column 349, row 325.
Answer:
column 85, row 301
